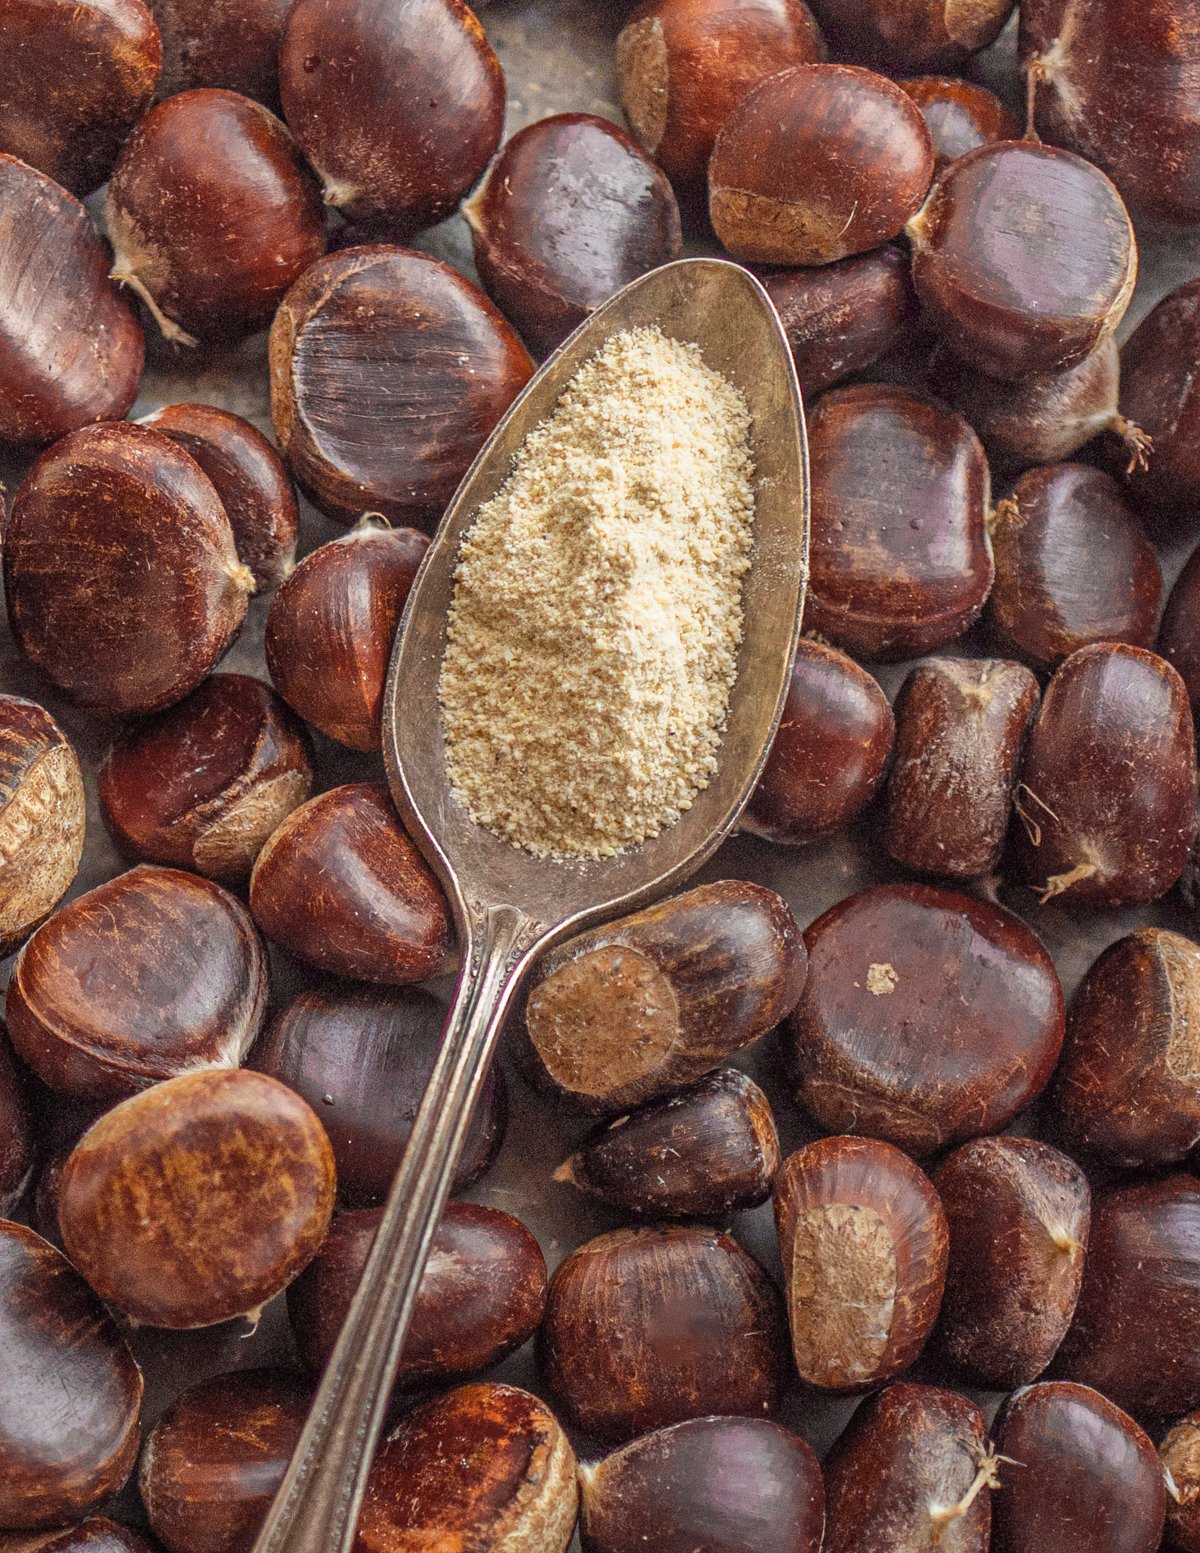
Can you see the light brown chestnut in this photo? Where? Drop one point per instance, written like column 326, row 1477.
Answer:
column 1159, row 393
column 1179, row 1452
column 17, row 1148
column 917, row 34
column 959, row 115
column 233, row 43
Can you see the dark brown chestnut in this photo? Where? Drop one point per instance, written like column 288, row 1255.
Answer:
column 1018, row 1212
column 341, row 885
column 122, row 580
column 961, row 725
column 233, row 43
column 42, row 818
column 398, row 106
column 149, row 975
column 17, row 1149
column 818, row 162
column 1179, row 1452
column 330, row 629
column 212, row 215
column 79, row 77
column 199, row 1199
column 927, row 1017
column 842, row 318
column 249, row 478
column 1159, row 393
column 915, row 34
column 72, row 1392
column 959, row 115
column 901, row 561
column 646, row 1327
column 361, row 1057
column 1107, row 795
column 1024, row 258
column 1179, row 634
column 569, row 212
column 1077, row 1475
column 732, row 1485
column 95, row 1535
column 388, row 372
column 636, row 1008
column 55, row 295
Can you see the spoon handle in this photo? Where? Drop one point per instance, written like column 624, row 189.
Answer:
column 316, row 1508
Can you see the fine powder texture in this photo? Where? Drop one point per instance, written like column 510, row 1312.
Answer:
column 597, row 610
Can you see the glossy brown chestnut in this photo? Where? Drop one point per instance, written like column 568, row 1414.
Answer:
column 916, row 34
column 1018, row 1212
column 639, row 1007
column 684, row 65
column 42, row 818
column 961, row 725
column 1024, row 257
column 17, row 1150
column 1076, row 1474
column 122, row 580
column 1159, row 393
column 959, row 115
column 700, row 1153
column 485, row 1467
column 927, row 1017
column 232, row 43
column 95, row 1535
column 1136, row 1333
column 55, row 293
column 388, row 372
column 901, row 561
column 1179, row 1453
column 78, row 78
column 863, row 1240
column 341, row 886
column 361, row 1057
column 570, row 211
column 646, row 1327
column 330, row 629
column 482, row 1294
column 735, row 1485
column 197, row 1200
column 72, row 1392
column 842, row 318
column 397, row 105
column 212, row 215
column 148, row 975
column 818, row 162
column 1108, row 788
column 910, row 1474
column 213, row 1461
column 250, row 480
column 1179, row 635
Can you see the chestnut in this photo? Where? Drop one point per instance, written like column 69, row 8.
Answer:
column 213, row 1461
column 911, row 1474
column 697, row 1154
column 42, row 818
column 148, row 975
column 1077, row 1475
column 330, row 628
column 961, row 725
column 341, row 886
column 646, row 1327
column 1179, row 633
column 1160, row 394
column 361, row 1057
column 80, row 75
column 737, row 1485
column 55, row 296
column 638, row 1007
column 818, row 162
column 927, row 1018
column 95, row 1535
column 918, row 34
column 122, row 580
column 569, row 212
column 17, row 1148
column 212, row 215
column 901, row 561
column 1024, row 257
column 482, row 1294
column 486, row 1467
column 249, row 478
column 72, row 1392
column 388, row 372
column 863, row 1240
column 959, row 115
column 1108, row 786
column 1018, row 1212
column 1179, row 1452
column 842, row 318
column 684, row 65
column 233, row 43
column 398, row 104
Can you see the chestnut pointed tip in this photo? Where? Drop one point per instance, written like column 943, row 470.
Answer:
column 122, row 274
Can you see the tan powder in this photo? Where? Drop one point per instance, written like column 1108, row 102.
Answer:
column 597, row 612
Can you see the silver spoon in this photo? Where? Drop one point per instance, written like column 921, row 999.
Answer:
column 509, row 905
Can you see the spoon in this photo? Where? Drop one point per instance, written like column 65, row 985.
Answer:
column 509, row 905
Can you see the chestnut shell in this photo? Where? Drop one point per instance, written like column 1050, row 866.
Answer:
column 915, row 34
column 1160, row 393
column 1179, row 633
column 959, row 115
column 17, row 1148
column 232, row 43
